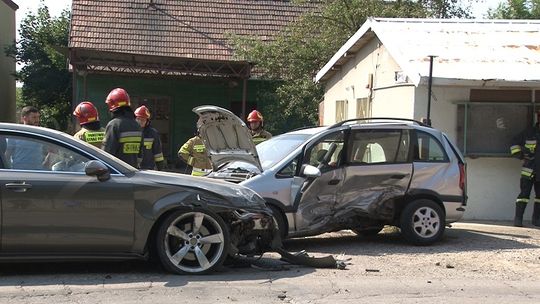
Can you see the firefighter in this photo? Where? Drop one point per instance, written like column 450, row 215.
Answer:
column 122, row 134
column 525, row 147
column 91, row 130
column 256, row 126
column 193, row 152
column 151, row 156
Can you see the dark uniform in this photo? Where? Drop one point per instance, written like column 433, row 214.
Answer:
column 151, row 151
column 123, row 137
column 525, row 147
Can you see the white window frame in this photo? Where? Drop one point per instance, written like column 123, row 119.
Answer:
column 363, row 108
column 341, row 110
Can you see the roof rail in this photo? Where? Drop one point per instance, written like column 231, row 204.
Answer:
column 303, row 128
column 378, row 118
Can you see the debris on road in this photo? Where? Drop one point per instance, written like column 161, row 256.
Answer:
column 302, row 258
column 372, row 270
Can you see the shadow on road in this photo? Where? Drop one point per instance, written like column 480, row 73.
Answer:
column 460, row 238
column 457, row 239
column 110, row 273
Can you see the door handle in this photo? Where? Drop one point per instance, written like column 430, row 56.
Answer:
column 18, row 187
column 334, row 182
column 397, row 176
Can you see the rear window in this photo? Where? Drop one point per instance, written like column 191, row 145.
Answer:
column 428, row 148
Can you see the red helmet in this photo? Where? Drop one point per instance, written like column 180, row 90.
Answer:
column 86, row 112
column 117, row 98
column 142, row 112
column 255, row 116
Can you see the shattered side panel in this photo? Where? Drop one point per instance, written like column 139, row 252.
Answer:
column 370, row 192
column 316, row 204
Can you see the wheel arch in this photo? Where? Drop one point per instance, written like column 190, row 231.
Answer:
column 150, row 246
column 172, row 203
column 273, row 203
column 416, row 194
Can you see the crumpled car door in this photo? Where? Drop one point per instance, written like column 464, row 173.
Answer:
column 317, row 197
column 378, row 171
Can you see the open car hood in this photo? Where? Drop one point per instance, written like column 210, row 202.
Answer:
column 226, row 137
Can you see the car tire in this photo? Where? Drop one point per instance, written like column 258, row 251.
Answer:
column 280, row 220
column 194, row 241
column 368, row 232
column 422, row 222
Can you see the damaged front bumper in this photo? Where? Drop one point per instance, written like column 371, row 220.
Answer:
column 256, row 233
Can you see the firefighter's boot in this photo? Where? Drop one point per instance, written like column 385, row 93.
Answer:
column 518, row 218
column 536, row 215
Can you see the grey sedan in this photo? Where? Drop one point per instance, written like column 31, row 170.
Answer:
column 63, row 199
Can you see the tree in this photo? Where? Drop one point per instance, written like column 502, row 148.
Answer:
column 295, row 56
column 516, row 9
column 45, row 77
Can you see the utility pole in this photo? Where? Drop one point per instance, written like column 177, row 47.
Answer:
column 430, row 82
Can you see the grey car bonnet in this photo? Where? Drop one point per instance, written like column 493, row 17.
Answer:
column 226, row 137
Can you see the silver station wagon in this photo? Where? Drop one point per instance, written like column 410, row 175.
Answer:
column 357, row 174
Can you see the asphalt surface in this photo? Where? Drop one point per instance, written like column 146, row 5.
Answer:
column 475, row 262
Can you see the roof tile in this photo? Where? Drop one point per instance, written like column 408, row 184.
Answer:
column 177, row 28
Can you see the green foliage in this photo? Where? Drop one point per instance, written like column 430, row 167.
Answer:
column 516, row 9
column 19, row 102
column 304, row 47
column 45, row 77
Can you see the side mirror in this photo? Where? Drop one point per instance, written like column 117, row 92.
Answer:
column 310, row 171
column 97, row 169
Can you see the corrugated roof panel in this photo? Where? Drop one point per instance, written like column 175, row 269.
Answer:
column 507, row 50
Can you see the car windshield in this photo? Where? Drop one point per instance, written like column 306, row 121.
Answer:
column 275, row 149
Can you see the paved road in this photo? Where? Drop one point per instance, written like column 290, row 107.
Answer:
column 475, row 263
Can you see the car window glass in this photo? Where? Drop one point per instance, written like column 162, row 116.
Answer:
column 275, row 149
column 379, row 146
column 289, row 170
column 27, row 153
column 326, row 153
column 428, row 149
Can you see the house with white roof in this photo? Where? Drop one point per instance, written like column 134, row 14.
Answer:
column 485, row 89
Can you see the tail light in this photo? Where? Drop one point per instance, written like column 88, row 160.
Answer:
column 462, row 177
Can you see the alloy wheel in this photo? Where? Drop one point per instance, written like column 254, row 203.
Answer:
column 194, row 242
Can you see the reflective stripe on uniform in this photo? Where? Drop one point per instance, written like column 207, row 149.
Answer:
column 184, row 150
column 530, row 145
column 148, row 142
column 159, row 157
column 94, row 137
column 522, row 200
column 200, row 172
column 131, row 142
column 130, row 139
column 198, row 148
column 537, row 200
column 515, row 149
column 527, row 172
